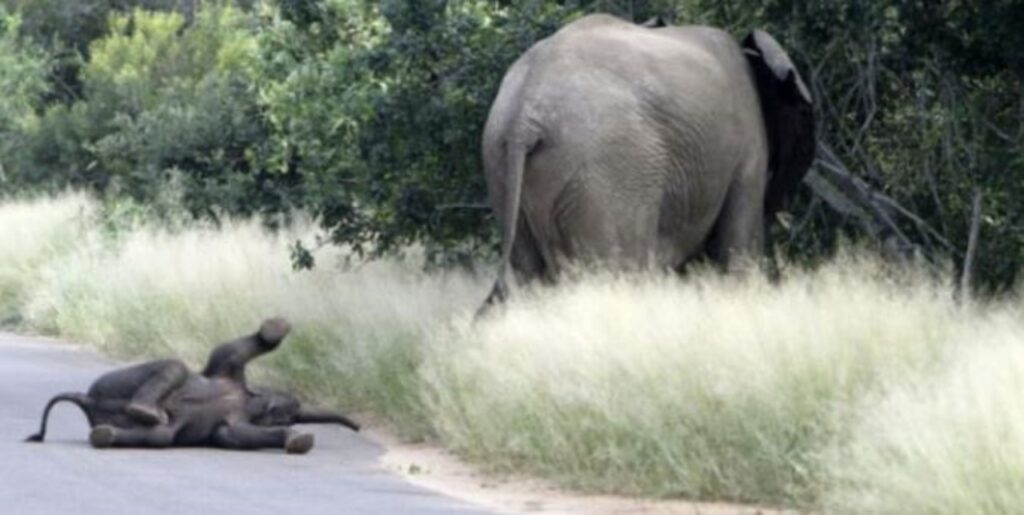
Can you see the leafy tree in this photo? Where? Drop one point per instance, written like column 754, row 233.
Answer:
column 23, row 83
column 380, row 109
column 66, row 29
column 165, row 103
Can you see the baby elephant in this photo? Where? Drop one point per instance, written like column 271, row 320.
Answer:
column 163, row 403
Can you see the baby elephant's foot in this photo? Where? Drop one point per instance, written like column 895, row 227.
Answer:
column 299, row 443
column 273, row 330
column 147, row 414
column 102, row 437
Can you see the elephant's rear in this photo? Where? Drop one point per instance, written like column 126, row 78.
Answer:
column 610, row 177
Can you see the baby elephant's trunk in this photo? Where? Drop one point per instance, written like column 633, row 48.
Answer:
column 319, row 416
column 82, row 400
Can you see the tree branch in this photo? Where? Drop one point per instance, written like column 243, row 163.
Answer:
column 967, row 274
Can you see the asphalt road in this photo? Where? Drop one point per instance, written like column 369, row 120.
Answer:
column 64, row 475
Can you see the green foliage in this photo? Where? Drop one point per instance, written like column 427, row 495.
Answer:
column 73, row 25
column 66, row 28
column 22, row 81
column 165, row 104
column 439, row 68
column 380, row 109
column 923, row 101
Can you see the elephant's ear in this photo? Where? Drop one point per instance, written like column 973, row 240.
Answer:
column 656, row 22
column 788, row 110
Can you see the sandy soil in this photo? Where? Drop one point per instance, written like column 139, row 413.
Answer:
column 434, row 468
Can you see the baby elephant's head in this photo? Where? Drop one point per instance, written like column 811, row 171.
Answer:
column 270, row 408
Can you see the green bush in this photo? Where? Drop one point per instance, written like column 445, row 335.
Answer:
column 164, row 104
column 22, row 83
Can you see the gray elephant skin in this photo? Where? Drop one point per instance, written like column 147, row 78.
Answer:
column 642, row 146
column 163, row 404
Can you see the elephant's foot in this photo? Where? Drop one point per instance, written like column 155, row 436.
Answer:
column 299, row 443
column 499, row 294
column 102, row 437
column 147, row 414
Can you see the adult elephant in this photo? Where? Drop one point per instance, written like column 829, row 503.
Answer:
column 643, row 146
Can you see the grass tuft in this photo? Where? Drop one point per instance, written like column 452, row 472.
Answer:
column 32, row 233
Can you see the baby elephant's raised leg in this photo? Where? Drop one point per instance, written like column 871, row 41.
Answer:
column 248, row 436
column 105, row 436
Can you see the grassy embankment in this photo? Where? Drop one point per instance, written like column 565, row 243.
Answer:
column 842, row 388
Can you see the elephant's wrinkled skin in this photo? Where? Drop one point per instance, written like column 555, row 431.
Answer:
column 641, row 147
column 163, row 404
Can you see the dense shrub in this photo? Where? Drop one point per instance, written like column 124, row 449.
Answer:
column 66, row 28
column 164, row 105
column 22, row 83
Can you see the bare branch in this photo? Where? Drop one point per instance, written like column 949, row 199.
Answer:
column 877, row 213
column 967, row 275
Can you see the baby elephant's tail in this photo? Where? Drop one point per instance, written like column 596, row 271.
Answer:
column 82, row 400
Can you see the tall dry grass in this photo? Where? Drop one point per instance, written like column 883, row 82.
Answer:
column 846, row 388
column 952, row 442
column 706, row 388
column 32, row 233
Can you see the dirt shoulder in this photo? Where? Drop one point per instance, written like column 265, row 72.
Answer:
column 430, row 466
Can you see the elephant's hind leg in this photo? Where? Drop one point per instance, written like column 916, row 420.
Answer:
column 528, row 261
column 738, row 241
column 104, row 436
column 165, row 376
column 248, row 437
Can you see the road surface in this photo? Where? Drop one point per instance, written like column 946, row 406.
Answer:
column 64, row 475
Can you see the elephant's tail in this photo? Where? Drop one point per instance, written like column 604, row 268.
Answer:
column 516, row 152
column 82, row 400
